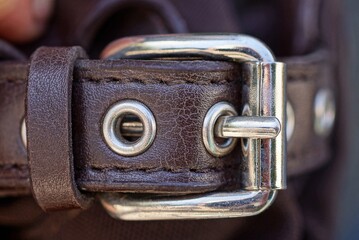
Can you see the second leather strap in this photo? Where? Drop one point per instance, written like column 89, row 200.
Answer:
column 49, row 128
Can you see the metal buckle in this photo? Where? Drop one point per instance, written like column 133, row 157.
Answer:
column 263, row 152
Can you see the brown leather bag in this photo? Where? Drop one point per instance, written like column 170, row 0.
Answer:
column 63, row 92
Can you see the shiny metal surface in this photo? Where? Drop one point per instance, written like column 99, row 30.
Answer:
column 247, row 127
column 324, row 112
column 227, row 47
column 208, row 132
column 131, row 128
column 290, row 121
column 112, row 122
column 23, row 132
column 264, row 96
column 251, row 147
column 274, row 151
column 204, row 206
column 263, row 160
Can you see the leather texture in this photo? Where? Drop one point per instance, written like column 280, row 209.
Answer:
column 49, row 128
column 177, row 162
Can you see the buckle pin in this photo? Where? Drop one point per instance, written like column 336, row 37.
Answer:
column 247, row 127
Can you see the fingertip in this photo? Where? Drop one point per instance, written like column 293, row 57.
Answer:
column 24, row 20
column 42, row 9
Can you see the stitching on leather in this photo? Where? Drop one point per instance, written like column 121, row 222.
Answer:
column 155, row 81
column 304, row 154
column 299, row 166
column 14, row 171
column 292, row 156
column 303, row 72
column 24, row 167
column 228, row 179
column 134, row 80
column 154, row 170
column 6, row 81
column 13, row 166
column 310, row 72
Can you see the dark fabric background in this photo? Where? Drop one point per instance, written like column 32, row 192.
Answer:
column 348, row 209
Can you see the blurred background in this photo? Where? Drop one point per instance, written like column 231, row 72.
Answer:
column 348, row 207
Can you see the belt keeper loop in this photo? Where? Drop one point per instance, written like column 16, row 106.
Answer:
column 49, row 128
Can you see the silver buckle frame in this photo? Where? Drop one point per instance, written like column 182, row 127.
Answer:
column 263, row 158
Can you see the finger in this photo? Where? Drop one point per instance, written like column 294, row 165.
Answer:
column 23, row 20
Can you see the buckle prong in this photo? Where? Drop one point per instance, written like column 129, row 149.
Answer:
column 247, row 127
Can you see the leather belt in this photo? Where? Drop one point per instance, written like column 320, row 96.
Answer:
column 181, row 92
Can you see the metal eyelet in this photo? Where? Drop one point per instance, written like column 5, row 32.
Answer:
column 324, row 112
column 111, row 128
column 213, row 147
column 23, row 132
column 290, row 121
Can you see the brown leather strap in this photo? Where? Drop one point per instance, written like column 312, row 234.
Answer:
column 49, row 128
column 306, row 76
column 177, row 161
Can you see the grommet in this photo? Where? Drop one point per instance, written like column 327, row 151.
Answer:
column 213, row 147
column 111, row 128
column 290, row 121
column 324, row 112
